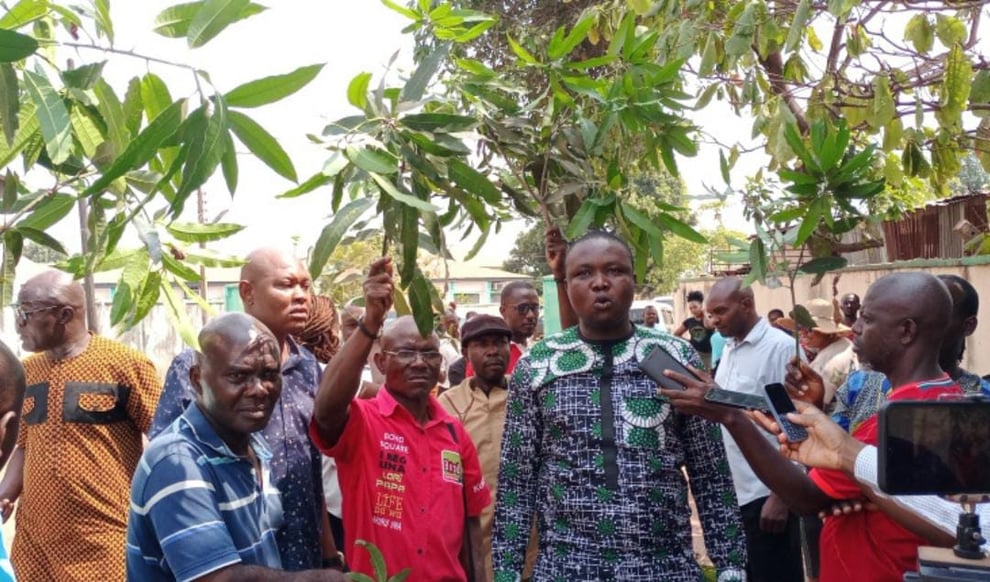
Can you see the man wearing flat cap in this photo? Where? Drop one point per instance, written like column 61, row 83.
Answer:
column 479, row 402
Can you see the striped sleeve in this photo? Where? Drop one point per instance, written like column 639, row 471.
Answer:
column 178, row 503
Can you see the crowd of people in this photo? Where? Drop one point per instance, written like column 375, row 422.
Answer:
column 301, row 440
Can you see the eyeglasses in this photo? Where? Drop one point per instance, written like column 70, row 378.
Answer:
column 430, row 358
column 524, row 308
column 23, row 316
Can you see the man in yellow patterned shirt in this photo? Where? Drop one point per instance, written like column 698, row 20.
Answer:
column 88, row 402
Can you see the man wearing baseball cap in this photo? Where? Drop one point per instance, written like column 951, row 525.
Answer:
column 479, row 402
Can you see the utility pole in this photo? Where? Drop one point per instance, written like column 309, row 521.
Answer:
column 92, row 318
column 203, row 283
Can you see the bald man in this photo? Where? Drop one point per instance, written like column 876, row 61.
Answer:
column 411, row 481
column 275, row 289
column 202, row 504
column 755, row 354
column 87, row 404
column 899, row 331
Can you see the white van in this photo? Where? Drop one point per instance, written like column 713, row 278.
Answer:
column 664, row 310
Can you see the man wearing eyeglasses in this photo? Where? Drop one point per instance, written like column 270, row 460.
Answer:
column 411, row 481
column 88, row 401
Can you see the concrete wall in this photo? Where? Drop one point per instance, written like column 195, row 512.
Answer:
column 857, row 279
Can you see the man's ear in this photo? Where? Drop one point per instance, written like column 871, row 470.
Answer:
column 195, row 374
column 246, row 292
column 969, row 326
column 65, row 314
column 909, row 331
column 380, row 361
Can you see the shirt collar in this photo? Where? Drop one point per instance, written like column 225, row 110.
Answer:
column 755, row 335
column 203, row 432
column 389, row 406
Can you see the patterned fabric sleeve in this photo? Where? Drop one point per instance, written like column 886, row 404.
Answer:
column 517, row 478
column 711, row 484
column 146, row 391
column 175, row 393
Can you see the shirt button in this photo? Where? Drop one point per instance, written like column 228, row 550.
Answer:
column 420, row 551
column 424, row 469
column 422, row 510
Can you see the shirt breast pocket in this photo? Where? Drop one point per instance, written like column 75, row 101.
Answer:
column 35, row 408
column 95, row 403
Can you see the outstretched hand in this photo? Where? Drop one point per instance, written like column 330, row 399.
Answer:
column 691, row 400
column 827, row 445
column 378, row 289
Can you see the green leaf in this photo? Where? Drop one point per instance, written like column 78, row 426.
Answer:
column 180, row 315
column 42, row 238
column 950, row 30
column 262, row 144
column 53, row 116
column 802, row 317
column 271, row 89
column 375, row 161
column 173, row 22
column 415, row 87
column 112, row 112
column 15, row 46
column 408, row 199
column 206, row 131
column 823, row 265
column 10, row 102
column 212, row 18
column 228, row 163
column 473, row 181
column 314, row 182
column 582, row 219
column 641, row 220
column 155, row 96
column 956, row 84
column 575, row 37
column 10, row 183
column 27, row 130
column 920, row 32
column 194, row 232
column 438, row 121
column 142, row 148
column 357, row 90
column 147, row 298
column 883, row 108
column 84, row 77
column 86, row 131
column 104, row 24
column 24, row 12
column 209, row 258
column 758, row 259
column 523, row 54
column 797, row 25
column 333, row 232
column 408, row 13
column 421, row 303
column 681, row 229
column 816, row 210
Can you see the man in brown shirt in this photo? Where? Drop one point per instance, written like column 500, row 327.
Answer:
column 88, row 402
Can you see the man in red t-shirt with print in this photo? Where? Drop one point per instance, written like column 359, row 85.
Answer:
column 899, row 332
column 409, row 473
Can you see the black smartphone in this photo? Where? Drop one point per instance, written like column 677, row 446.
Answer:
column 738, row 399
column 781, row 404
column 939, row 447
column 658, row 360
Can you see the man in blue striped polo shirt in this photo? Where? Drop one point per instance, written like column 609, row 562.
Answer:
column 203, row 505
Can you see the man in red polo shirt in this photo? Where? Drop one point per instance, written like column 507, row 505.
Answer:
column 411, row 481
column 899, row 332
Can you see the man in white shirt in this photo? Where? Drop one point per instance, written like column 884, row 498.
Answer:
column 755, row 354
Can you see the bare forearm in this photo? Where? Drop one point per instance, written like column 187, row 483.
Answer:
column 783, row 477
column 13, row 480
column 340, row 383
